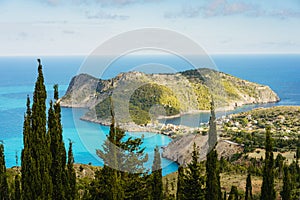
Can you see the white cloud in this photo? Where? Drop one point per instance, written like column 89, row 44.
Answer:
column 117, row 3
column 105, row 15
column 217, row 8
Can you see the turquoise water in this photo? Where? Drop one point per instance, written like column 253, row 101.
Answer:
column 87, row 137
column 18, row 75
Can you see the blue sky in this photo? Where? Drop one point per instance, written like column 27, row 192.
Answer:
column 72, row 27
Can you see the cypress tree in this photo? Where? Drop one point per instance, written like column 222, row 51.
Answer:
column 57, row 168
column 43, row 184
column 194, row 181
column 28, row 163
column 17, row 188
column 287, row 185
column 212, row 132
column 3, row 177
column 248, row 195
column 298, row 150
column 71, row 175
column 279, row 165
column 157, row 185
column 298, row 153
column 166, row 192
column 44, row 173
column 36, row 159
column 213, row 185
column 57, row 148
column 225, row 195
column 294, row 176
column 267, row 188
column 180, row 184
column 234, row 195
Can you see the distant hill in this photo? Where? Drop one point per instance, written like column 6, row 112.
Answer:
column 140, row 97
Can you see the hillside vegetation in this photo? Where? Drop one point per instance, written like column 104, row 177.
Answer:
column 135, row 94
column 248, row 127
column 243, row 134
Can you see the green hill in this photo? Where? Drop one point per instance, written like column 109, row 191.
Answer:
column 140, row 98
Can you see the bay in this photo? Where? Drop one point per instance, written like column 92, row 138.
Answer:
column 18, row 75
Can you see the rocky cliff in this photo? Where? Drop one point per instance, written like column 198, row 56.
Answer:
column 139, row 97
column 180, row 149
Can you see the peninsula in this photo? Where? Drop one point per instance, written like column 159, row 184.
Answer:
column 140, row 98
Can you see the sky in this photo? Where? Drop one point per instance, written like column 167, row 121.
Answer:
column 77, row 27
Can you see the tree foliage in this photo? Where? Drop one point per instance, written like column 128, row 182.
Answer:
column 193, row 178
column 36, row 156
column 123, row 175
column 213, row 185
column 156, row 177
column 287, row 185
column 43, row 170
column 3, row 177
column 180, row 184
column 71, row 175
column 267, row 188
column 248, row 195
column 234, row 194
column 17, row 187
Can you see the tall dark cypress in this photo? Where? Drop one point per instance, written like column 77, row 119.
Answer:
column 194, row 180
column 286, row 192
column 57, row 148
column 248, row 194
column 298, row 153
column 298, row 149
column 57, row 169
column 3, row 177
column 213, row 185
column 156, row 176
column 212, row 132
column 43, row 185
column 17, row 187
column 234, row 194
column 71, row 175
column 28, row 163
column 267, row 188
column 36, row 159
column 180, row 184
column 225, row 195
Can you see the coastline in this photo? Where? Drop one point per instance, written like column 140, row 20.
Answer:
column 231, row 107
column 130, row 127
column 159, row 127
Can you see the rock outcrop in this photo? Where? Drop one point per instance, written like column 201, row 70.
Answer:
column 180, row 149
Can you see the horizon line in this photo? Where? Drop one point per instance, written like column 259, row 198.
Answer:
column 214, row 53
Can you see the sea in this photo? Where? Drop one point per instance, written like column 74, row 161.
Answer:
column 18, row 75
